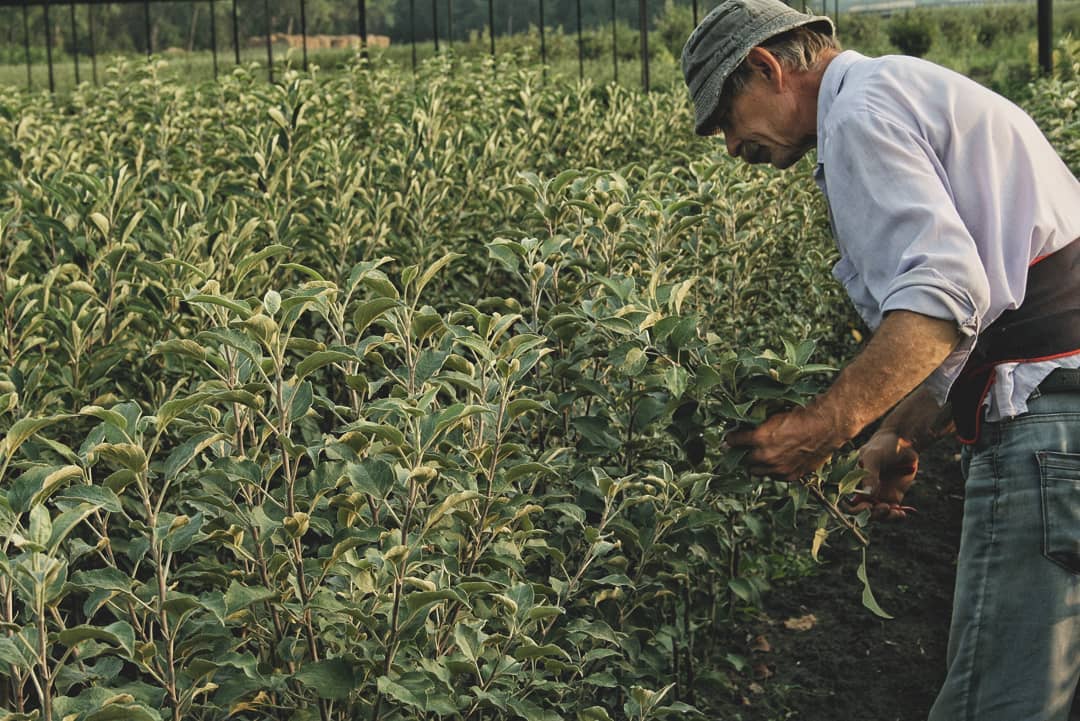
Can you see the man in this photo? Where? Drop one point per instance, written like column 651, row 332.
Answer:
column 956, row 223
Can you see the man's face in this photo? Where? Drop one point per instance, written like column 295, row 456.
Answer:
column 764, row 123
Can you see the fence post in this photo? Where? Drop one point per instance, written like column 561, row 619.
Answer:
column 412, row 31
column 450, row 23
column 363, row 29
column 543, row 42
column 146, row 23
column 75, row 44
column 26, row 44
column 836, row 15
column 235, row 32
column 48, row 48
column 1046, row 31
column 695, row 13
column 303, row 30
column 491, row 24
column 93, row 49
column 614, row 42
column 435, row 23
column 643, row 31
column 269, row 44
column 580, row 45
column 213, row 37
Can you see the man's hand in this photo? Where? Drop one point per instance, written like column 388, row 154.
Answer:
column 891, row 463
column 789, row 445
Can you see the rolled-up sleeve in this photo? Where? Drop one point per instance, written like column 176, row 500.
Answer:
column 897, row 225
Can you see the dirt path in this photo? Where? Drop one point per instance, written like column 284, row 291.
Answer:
column 847, row 663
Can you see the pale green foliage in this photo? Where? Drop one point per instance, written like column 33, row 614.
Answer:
column 352, row 399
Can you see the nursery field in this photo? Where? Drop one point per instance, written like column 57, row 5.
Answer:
column 372, row 397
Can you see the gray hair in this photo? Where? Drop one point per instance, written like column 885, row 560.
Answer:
column 799, row 49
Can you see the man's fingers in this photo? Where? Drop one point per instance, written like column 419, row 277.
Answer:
column 739, row 439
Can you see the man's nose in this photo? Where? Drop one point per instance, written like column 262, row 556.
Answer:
column 732, row 144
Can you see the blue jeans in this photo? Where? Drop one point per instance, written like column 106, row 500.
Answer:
column 1014, row 644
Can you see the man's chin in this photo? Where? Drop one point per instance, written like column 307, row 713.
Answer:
column 786, row 161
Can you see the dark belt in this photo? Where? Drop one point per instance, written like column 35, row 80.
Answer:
column 1044, row 327
column 1061, row 380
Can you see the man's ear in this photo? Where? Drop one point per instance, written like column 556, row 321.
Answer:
column 765, row 63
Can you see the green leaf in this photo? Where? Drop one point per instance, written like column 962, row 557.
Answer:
column 66, row 522
column 420, row 599
column 21, row 430
column 241, row 309
column 330, row 678
column 118, row 634
column 171, row 410
column 180, row 347
column 36, row 485
column 123, row 712
column 187, row 451
column 102, row 497
column 319, row 359
column 399, row 693
column 111, row 417
column 127, row 455
column 434, row 268
column 868, row 599
column 9, row 654
column 449, row 503
column 368, row 311
column 240, row 596
column 523, row 653
column 593, row 713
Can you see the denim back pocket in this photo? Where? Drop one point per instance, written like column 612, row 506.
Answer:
column 1060, row 473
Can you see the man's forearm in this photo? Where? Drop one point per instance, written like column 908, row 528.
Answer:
column 918, row 419
column 904, row 351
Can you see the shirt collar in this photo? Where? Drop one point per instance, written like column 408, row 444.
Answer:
column 831, row 82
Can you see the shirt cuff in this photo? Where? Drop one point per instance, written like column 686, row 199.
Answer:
column 927, row 292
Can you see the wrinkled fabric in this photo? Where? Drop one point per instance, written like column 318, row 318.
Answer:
column 1014, row 643
column 940, row 193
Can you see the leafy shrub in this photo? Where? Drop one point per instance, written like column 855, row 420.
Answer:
column 912, row 33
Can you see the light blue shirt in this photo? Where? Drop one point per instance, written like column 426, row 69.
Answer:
column 941, row 193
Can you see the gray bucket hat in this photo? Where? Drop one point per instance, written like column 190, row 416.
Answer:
column 723, row 40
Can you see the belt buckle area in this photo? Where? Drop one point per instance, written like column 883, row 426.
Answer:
column 1061, row 380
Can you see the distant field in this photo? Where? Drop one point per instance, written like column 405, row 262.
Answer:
column 993, row 43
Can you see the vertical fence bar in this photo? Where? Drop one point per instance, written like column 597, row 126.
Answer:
column 695, row 13
column 75, row 44
column 48, row 48
column 303, row 30
column 643, row 31
column 580, row 45
column 235, row 32
column 435, row 23
column 836, row 15
column 146, row 23
column 412, row 31
column 543, row 41
column 93, row 44
column 213, row 37
column 26, row 45
column 450, row 24
column 269, row 43
column 1046, row 32
column 614, row 42
column 491, row 24
column 363, row 29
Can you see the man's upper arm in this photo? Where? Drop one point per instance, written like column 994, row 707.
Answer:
column 897, row 224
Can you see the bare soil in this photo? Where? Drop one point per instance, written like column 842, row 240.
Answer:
column 816, row 654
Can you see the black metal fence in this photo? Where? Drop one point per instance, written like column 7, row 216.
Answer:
column 615, row 10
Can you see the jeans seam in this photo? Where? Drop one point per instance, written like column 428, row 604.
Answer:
column 980, row 606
